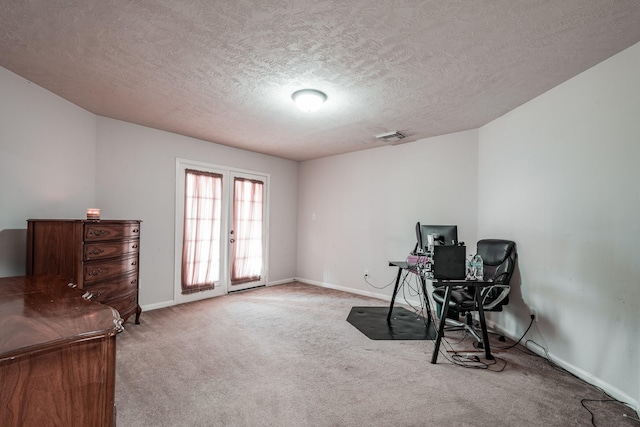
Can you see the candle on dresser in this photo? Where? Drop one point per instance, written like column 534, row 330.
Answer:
column 93, row 213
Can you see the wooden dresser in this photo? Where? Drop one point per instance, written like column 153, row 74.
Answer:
column 99, row 256
column 57, row 355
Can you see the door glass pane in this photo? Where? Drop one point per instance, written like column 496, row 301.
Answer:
column 202, row 229
column 246, row 261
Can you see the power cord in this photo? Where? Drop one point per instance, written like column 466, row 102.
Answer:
column 520, row 339
column 466, row 361
column 460, row 360
column 472, row 361
column 593, row 422
column 404, row 283
column 376, row 287
column 582, row 401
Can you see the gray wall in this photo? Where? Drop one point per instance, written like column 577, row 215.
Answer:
column 135, row 178
column 366, row 205
column 559, row 176
column 47, row 163
column 56, row 160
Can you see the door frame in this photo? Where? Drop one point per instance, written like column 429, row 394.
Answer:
column 228, row 173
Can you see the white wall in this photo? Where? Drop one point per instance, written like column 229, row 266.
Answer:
column 560, row 176
column 366, row 205
column 56, row 160
column 135, row 179
column 47, row 162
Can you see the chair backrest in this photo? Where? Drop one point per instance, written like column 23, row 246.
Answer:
column 499, row 258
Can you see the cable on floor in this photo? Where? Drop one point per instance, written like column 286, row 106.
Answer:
column 517, row 342
column 469, row 362
column 582, row 402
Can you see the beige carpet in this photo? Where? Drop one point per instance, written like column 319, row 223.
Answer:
column 286, row 356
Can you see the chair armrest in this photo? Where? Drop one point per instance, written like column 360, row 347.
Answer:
column 505, row 289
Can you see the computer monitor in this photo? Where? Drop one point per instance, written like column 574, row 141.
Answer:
column 444, row 234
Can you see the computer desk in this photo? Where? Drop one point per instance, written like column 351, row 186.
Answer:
column 403, row 266
column 409, row 269
column 449, row 285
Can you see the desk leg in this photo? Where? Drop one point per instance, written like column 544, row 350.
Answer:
column 483, row 325
column 393, row 297
column 443, row 317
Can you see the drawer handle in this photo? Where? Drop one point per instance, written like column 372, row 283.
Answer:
column 134, row 281
column 96, row 251
column 135, row 230
column 134, row 247
column 96, row 272
column 72, row 285
column 97, row 233
column 134, row 263
column 87, row 296
column 117, row 321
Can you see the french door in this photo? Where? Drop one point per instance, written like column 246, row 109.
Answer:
column 247, row 231
column 221, row 234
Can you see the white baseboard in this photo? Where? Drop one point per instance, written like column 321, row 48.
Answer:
column 281, row 282
column 164, row 304
column 611, row 390
column 169, row 303
column 345, row 289
column 155, row 306
column 585, row 376
column 399, row 299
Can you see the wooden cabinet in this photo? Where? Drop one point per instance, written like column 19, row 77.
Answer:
column 57, row 355
column 99, row 256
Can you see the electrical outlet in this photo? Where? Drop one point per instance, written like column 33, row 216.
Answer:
column 366, row 273
column 534, row 313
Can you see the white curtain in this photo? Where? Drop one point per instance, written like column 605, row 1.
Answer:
column 202, row 228
column 246, row 258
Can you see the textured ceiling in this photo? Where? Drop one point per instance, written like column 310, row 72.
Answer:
column 224, row 71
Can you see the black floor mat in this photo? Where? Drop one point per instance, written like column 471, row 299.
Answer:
column 405, row 325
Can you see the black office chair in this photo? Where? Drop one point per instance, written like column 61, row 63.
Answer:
column 499, row 258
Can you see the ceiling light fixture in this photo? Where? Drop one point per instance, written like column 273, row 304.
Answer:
column 309, row 99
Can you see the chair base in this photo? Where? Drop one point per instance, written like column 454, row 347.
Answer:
column 452, row 324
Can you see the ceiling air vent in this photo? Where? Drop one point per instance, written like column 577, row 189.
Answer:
column 391, row 136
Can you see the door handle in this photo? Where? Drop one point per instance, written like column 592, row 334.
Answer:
column 232, row 240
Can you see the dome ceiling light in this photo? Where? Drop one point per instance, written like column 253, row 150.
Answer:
column 309, row 99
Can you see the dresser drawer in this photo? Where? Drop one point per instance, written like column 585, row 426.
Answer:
column 97, row 231
column 110, row 249
column 125, row 304
column 99, row 271
column 112, row 290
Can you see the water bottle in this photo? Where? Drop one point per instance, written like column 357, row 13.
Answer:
column 470, row 267
column 478, row 267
